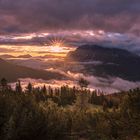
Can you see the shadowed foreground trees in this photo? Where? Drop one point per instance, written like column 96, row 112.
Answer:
column 40, row 115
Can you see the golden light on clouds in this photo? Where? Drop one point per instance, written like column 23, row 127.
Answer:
column 45, row 43
column 56, row 49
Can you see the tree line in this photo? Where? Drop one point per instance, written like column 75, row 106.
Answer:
column 45, row 113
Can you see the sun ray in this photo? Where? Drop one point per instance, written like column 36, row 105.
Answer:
column 56, row 41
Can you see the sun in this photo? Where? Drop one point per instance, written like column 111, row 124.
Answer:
column 56, row 44
column 55, row 41
column 56, row 49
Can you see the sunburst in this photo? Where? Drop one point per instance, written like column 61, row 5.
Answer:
column 56, row 44
column 55, row 41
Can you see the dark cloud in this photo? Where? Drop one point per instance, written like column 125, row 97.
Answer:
column 18, row 16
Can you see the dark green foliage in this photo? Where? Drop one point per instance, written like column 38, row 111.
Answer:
column 3, row 85
column 44, row 90
column 18, row 87
column 29, row 88
column 3, row 82
column 83, row 83
column 67, row 95
column 56, row 114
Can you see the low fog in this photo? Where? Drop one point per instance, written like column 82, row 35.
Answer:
column 73, row 73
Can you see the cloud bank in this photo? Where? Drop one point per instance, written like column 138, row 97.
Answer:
column 20, row 16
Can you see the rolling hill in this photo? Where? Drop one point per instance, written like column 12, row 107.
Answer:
column 12, row 72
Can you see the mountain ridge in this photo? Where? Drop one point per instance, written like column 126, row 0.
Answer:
column 115, row 62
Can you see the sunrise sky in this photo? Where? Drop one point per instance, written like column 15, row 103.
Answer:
column 28, row 26
column 40, row 33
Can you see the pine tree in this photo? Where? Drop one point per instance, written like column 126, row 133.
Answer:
column 3, row 82
column 82, row 96
column 4, row 85
column 83, row 83
column 18, row 87
column 44, row 90
column 29, row 88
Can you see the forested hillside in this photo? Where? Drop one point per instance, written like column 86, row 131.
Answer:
column 68, row 113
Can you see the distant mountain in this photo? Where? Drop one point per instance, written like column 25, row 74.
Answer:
column 24, row 56
column 113, row 62
column 12, row 72
column 6, row 56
